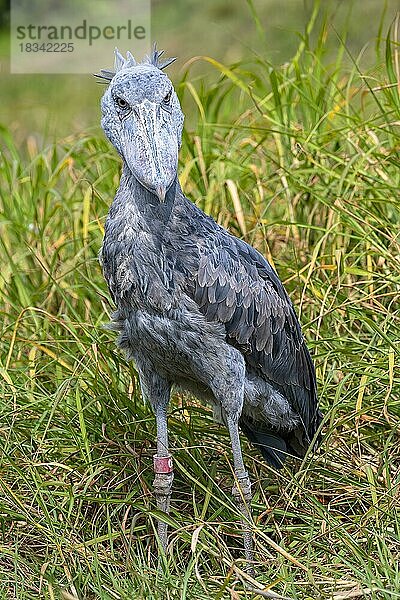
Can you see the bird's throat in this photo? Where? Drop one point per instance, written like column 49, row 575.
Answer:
column 146, row 202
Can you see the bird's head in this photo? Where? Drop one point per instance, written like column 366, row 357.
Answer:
column 142, row 118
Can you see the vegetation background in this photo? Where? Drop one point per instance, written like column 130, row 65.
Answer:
column 291, row 141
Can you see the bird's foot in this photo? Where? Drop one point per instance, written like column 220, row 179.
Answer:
column 162, row 485
column 241, row 492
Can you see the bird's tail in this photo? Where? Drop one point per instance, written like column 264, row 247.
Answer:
column 271, row 445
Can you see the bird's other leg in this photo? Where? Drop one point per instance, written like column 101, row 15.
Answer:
column 157, row 390
column 242, row 489
column 227, row 384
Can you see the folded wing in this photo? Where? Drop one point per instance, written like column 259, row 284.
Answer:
column 235, row 285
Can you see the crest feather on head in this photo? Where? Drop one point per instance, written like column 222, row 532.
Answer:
column 120, row 63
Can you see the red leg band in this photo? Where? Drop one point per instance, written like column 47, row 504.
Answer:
column 163, row 464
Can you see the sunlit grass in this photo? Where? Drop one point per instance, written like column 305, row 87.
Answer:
column 302, row 161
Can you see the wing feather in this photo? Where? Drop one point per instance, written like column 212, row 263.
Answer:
column 235, row 285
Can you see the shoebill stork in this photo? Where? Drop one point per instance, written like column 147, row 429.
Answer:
column 196, row 307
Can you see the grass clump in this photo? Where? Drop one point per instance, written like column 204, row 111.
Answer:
column 302, row 161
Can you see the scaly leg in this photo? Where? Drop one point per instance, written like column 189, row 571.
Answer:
column 164, row 474
column 156, row 390
column 242, row 489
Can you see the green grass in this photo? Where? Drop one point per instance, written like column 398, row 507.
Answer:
column 302, row 161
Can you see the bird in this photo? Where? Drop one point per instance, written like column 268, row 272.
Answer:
column 196, row 308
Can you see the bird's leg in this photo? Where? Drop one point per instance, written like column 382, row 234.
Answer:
column 156, row 390
column 163, row 469
column 242, row 489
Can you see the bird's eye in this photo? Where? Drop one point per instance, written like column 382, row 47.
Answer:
column 121, row 102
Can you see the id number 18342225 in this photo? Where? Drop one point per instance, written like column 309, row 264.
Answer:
column 46, row 47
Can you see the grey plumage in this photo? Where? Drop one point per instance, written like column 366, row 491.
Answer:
column 195, row 306
column 182, row 284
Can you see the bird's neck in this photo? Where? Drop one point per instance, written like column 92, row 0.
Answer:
column 145, row 203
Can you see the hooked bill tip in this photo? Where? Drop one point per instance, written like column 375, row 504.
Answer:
column 161, row 192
